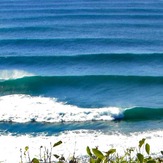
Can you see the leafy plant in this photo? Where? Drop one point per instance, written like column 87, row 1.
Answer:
column 141, row 154
column 96, row 156
column 47, row 154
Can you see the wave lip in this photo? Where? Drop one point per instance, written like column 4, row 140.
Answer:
column 13, row 74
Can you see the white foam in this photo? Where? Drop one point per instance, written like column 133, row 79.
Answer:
column 24, row 108
column 13, row 74
column 75, row 141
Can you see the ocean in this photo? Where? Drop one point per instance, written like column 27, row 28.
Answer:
column 87, row 72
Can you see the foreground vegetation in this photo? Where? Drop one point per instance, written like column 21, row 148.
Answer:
column 141, row 154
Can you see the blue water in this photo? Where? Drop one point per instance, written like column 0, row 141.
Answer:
column 87, row 54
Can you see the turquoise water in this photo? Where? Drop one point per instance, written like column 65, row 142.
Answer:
column 88, row 55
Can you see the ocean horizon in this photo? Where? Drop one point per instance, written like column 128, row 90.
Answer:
column 88, row 73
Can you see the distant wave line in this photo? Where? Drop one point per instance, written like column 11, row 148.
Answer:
column 91, row 26
column 89, row 10
column 88, row 55
column 84, row 58
column 92, row 41
column 89, row 16
column 87, row 78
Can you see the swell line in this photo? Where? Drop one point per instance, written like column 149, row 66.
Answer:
column 77, row 41
column 46, row 84
column 86, row 57
column 89, row 78
column 92, row 25
column 87, row 17
column 86, row 10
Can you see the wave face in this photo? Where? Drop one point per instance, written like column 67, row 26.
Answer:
column 140, row 113
column 110, row 90
column 81, row 66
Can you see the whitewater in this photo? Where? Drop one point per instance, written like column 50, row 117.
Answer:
column 80, row 71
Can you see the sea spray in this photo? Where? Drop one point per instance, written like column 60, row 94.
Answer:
column 13, row 74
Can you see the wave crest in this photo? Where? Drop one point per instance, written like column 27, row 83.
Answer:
column 24, row 108
column 13, row 74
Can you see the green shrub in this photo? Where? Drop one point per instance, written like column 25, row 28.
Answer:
column 96, row 156
column 131, row 155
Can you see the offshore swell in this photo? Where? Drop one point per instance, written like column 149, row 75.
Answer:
column 80, row 70
column 92, row 87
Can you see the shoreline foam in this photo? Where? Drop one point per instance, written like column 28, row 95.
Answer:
column 76, row 142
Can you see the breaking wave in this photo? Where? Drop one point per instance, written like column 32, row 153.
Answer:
column 25, row 108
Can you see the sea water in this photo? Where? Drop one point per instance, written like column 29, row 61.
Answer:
column 80, row 71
